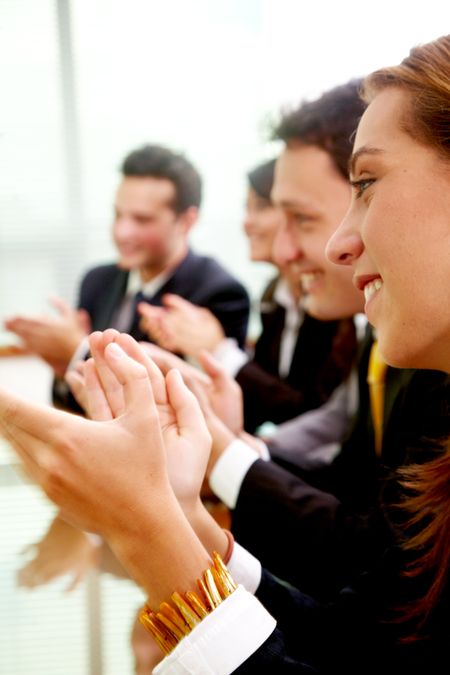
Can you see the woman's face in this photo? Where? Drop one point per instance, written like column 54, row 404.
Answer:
column 396, row 236
column 261, row 222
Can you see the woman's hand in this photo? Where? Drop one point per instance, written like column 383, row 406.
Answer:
column 98, row 472
column 110, row 476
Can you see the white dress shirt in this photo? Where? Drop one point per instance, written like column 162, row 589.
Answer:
column 311, row 440
column 233, row 359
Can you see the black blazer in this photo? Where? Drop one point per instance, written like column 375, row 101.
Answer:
column 319, row 529
column 356, row 633
column 320, row 362
column 199, row 279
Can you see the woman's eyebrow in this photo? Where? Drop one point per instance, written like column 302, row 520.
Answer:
column 364, row 150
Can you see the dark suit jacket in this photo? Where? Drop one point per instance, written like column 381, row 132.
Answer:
column 199, row 279
column 319, row 364
column 348, row 540
column 319, row 529
column 354, row 634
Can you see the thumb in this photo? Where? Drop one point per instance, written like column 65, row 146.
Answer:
column 61, row 305
column 78, row 576
column 211, row 366
column 172, row 301
column 149, row 311
column 84, row 320
column 28, row 548
column 190, row 421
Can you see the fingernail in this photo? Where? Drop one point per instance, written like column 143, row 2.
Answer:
column 115, row 350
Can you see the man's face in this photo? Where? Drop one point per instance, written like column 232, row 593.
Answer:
column 146, row 229
column 261, row 223
column 314, row 198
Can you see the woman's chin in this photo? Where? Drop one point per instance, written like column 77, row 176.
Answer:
column 399, row 352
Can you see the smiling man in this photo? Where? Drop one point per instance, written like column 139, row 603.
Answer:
column 314, row 197
column 156, row 205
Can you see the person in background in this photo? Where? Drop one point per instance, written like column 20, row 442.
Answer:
column 297, row 361
column 156, row 205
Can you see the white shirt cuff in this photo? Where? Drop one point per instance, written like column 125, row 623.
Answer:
column 223, row 640
column 230, row 470
column 245, row 568
column 263, row 449
column 230, row 356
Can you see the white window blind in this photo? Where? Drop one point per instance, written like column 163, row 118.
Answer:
column 83, row 83
column 41, row 250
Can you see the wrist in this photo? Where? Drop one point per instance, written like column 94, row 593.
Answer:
column 143, row 514
column 214, row 341
column 188, row 610
column 210, row 533
column 221, row 436
column 148, row 547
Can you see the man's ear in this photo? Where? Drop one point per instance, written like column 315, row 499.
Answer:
column 188, row 218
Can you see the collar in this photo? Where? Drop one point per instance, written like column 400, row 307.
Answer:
column 149, row 288
column 283, row 296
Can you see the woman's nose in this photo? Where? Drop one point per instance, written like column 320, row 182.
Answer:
column 346, row 245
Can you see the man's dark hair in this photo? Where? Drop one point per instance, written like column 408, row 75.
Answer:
column 328, row 122
column 261, row 179
column 155, row 161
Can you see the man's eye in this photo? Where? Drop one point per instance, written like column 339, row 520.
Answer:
column 300, row 219
column 360, row 186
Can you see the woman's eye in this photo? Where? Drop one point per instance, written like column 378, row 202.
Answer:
column 360, row 186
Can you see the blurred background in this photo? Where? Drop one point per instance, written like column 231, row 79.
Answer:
column 82, row 83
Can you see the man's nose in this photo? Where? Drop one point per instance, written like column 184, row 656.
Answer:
column 123, row 227
column 286, row 248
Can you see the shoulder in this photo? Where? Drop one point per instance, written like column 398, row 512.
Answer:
column 100, row 274
column 99, row 280
column 203, row 268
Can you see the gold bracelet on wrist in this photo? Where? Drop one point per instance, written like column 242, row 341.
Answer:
column 172, row 622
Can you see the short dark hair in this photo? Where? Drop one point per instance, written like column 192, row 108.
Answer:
column 261, row 177
column 328, row 122
column 156, row 161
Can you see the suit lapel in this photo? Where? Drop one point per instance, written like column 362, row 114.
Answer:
column 179, row 282
column 111, row 301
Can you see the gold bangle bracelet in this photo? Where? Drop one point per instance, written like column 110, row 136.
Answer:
column 172, row 622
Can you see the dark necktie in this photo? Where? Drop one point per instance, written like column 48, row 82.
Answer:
column 135, row 316
column 127, row 319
